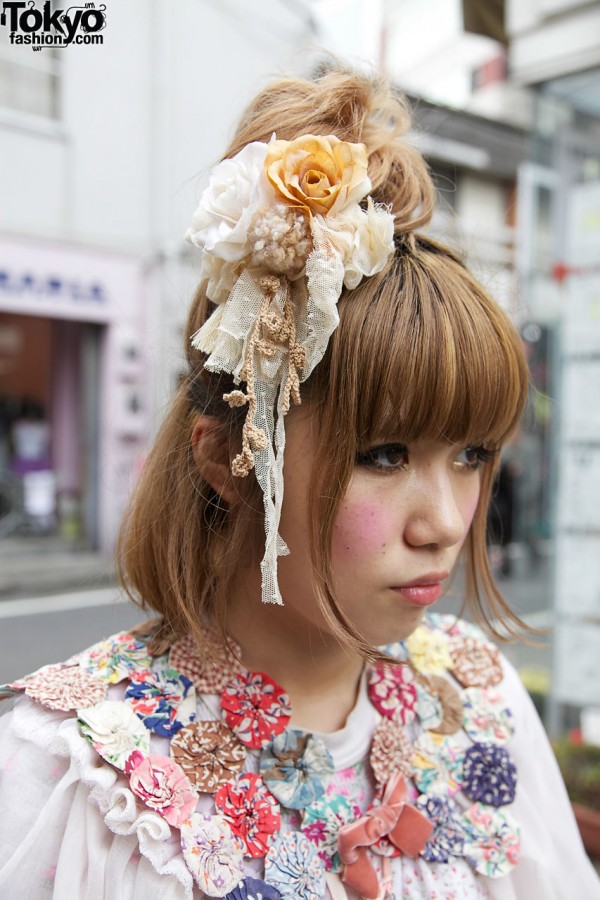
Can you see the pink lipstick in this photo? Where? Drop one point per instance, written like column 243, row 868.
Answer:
column 423, row 591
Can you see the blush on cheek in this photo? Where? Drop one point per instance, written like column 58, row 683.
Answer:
column 468, row 513
column 361, row 526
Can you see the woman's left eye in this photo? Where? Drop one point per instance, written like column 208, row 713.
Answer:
column 472, row 458
column 387, row 457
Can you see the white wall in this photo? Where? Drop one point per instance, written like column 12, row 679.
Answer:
column 141, row 116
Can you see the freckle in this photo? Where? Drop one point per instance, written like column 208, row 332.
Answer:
column 347, row 546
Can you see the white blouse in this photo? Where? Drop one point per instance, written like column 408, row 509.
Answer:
column 71, row 828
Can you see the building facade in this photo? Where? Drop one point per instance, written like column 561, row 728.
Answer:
column 104, row 148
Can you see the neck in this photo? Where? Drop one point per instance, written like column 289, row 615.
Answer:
column 320, row 676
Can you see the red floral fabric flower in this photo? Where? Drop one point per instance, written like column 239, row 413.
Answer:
column 251, row 812
column 256, row 709
column 393, row 692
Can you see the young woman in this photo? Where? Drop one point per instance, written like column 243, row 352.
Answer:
column 298, row 722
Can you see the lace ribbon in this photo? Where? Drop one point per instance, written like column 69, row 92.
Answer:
column 271, row 333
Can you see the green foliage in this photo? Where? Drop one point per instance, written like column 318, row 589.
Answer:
column 580, row 767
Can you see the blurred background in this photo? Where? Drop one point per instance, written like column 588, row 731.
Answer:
column 104, row 150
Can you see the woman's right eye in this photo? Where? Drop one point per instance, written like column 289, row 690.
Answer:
column 386, row 457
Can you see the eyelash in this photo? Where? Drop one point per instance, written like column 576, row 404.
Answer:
column 372, row 458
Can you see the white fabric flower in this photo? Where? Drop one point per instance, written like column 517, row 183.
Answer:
column 373, row 244
column 237, row 189
column 114, row 730
column 220, row 277
column 364, row 240
column 213, row 854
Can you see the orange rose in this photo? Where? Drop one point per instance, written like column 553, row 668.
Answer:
column 321, row 174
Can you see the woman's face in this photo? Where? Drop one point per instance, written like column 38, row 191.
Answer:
column 397, row 535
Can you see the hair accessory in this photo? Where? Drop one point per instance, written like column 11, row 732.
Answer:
column 282, row 233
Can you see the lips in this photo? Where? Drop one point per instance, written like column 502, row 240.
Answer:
column 422, row 591
column 429, row 579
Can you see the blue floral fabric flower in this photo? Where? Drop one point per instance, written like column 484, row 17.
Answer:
column 294, row 868
column 294, row 766
column 448, row 834
column 253, row 889
column 489, row 775
column 164, row 700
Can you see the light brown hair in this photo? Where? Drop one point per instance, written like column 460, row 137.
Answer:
column 421, row 351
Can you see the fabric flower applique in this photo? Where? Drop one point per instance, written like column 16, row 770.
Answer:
column 256, row 708
column 237, row 189
column 475, row 663
column 65, row 688
column 114, row 730
column 18, row 686
column 438, row 764
column 253, row 889
column 490, row 776
column 391, row 751
column 438, row 699
column 448, row 834
column 162, row 785
column 212, row 853
column 116, row 658
column 321, row 823
column 393, row 692
column 209, row 753
column 429, row 651
column 294, row 868
column 398, row 650
column 208, row 674
column 163, row 699
column 251, row 811
column 294, row 766
column 493, row 840
column 486, row 716
column 340, row 167
column 429, row 707
column 452, row 626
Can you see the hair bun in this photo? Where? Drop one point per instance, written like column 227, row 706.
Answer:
column 355, row 108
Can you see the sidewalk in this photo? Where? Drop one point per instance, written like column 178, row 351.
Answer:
column 38, row 566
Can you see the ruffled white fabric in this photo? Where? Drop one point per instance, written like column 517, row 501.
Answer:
column 70, row 828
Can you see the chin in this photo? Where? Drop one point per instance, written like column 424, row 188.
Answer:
column 395, row 631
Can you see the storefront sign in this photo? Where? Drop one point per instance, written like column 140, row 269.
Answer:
column 62, row 281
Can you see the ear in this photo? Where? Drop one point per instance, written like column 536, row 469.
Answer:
column 211, row 455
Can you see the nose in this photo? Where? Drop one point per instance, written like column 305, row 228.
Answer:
column 435, row 517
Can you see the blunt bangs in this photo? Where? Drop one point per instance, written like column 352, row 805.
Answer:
column 426, row 354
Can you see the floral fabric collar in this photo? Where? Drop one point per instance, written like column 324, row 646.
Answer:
column 247, row 787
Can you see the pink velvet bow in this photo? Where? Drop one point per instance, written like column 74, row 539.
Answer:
column 405, row 826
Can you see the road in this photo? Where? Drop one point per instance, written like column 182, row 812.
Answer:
column 49, row 629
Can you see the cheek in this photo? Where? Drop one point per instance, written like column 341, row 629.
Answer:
column 469, row 508
column 361, row 527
